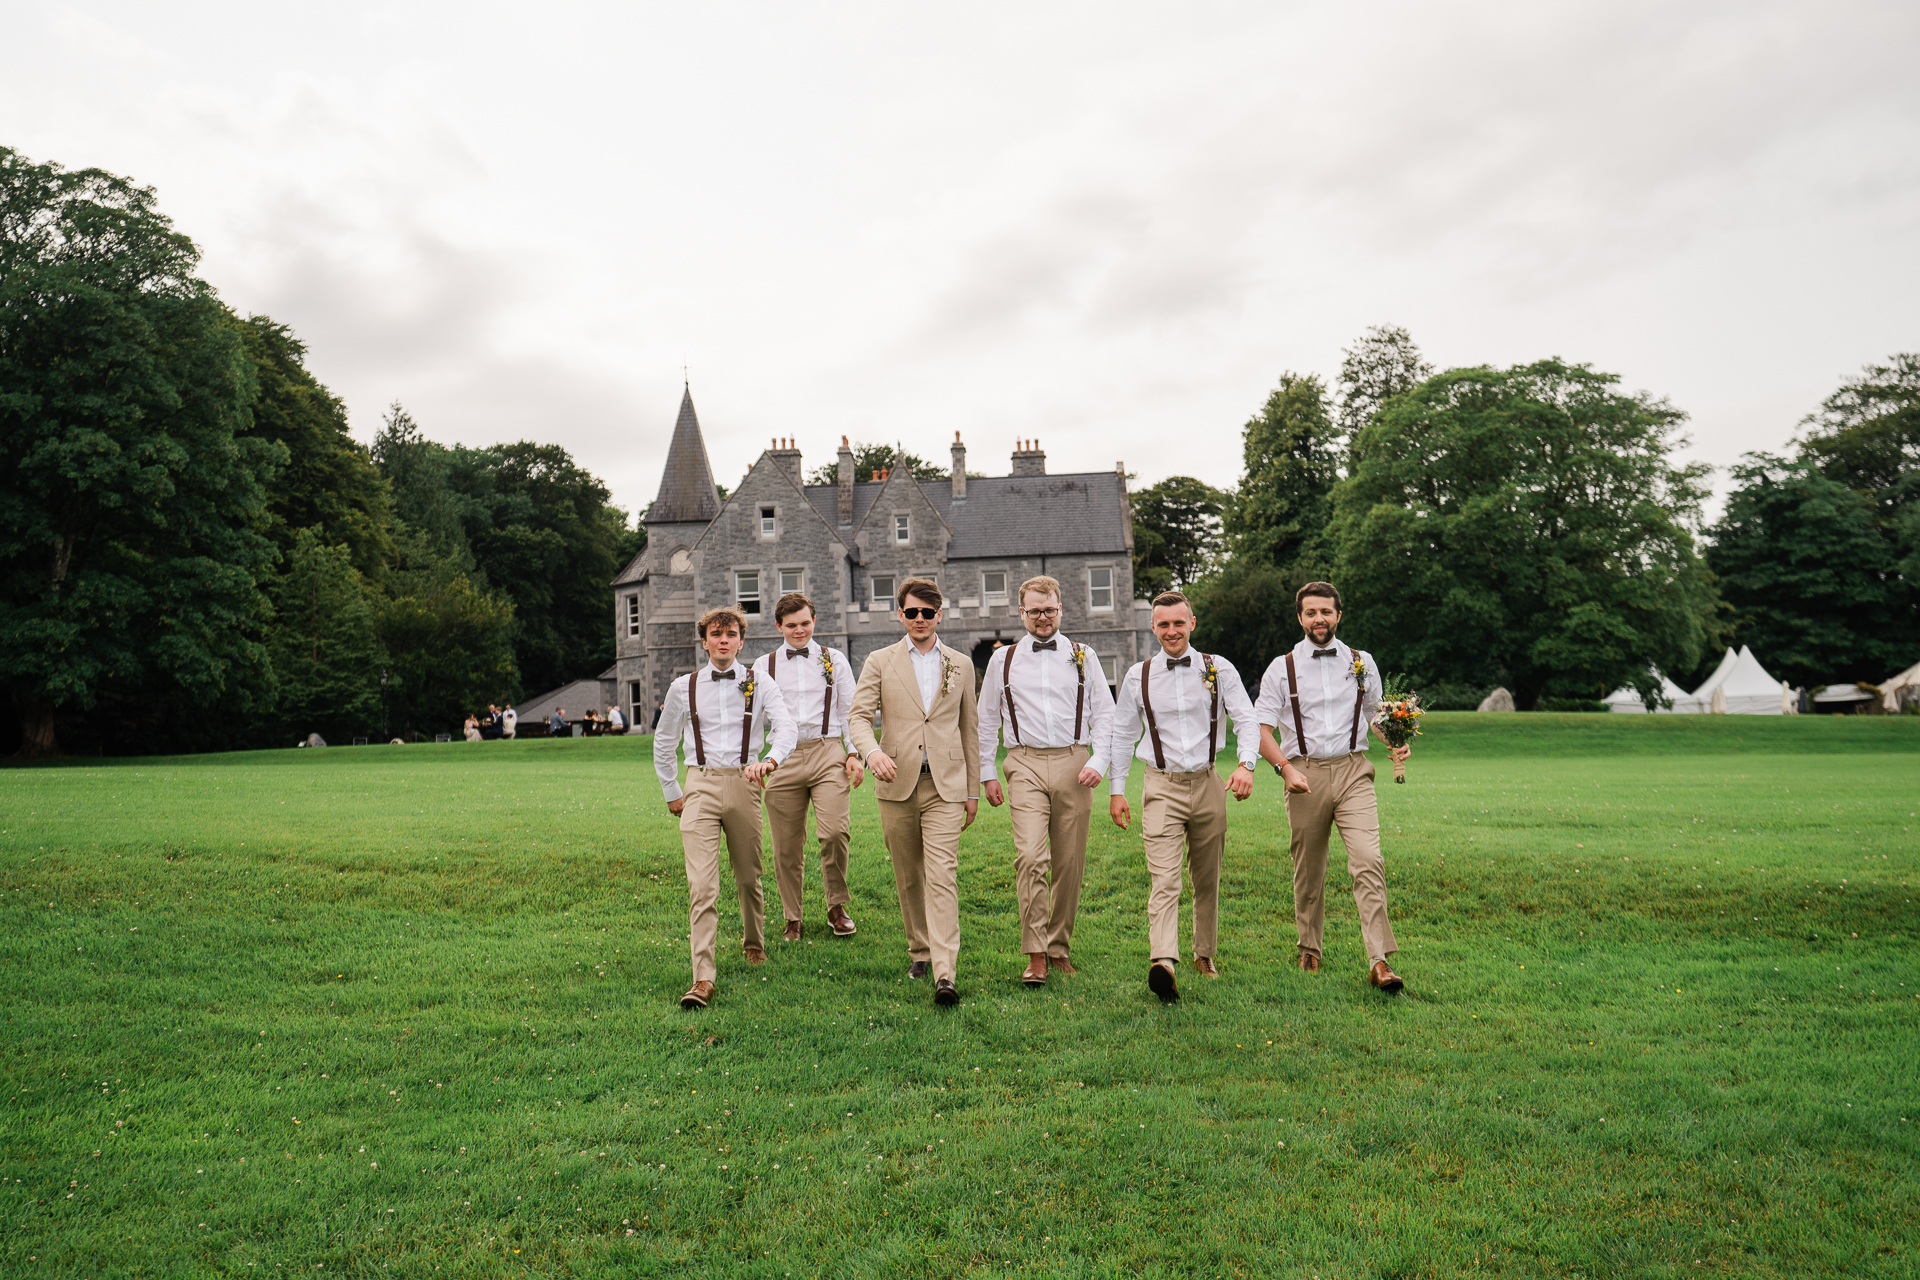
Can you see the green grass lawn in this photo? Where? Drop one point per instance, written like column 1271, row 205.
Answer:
column 412, row 1011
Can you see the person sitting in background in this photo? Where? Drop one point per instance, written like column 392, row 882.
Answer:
column 591, row 719
column 557, row 723
column 472, row 728
column 616, row 722
column 490, row 723
column 509, row 723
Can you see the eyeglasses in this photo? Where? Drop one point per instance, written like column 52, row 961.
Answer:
column 912, row 614
column 1039, row 614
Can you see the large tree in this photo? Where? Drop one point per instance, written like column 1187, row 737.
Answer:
column 325, row 645
column 132, row 501
column 1382, row 363
column 1812, row 582
column 871, row 459
column 1291, row 458
column 1176, row 533
column 1526, row 526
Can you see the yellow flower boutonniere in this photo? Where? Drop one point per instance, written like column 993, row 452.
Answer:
column 747, row 687
column 946, row 673
column 826, row 665
column 1209, row 673
column 1359, row 668
column 1080, row 659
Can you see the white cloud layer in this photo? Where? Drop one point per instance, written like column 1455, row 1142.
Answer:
column 1108, row 226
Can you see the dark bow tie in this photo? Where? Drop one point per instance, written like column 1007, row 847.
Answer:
column 1049, row 645
column 798, row 653
column 1179, row 662
column 728, row 674
column 1326, row 653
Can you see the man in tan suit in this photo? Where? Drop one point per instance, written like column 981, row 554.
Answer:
column 926, row 774
column 724, row 714
column 1048, row 697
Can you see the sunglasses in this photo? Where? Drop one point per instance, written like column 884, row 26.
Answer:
column 913, row 614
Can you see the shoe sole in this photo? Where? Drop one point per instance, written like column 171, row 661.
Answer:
column 1161, row 983
column 1392, row 987
column 946, row 996
column 691, row 1002
column 1033, row 982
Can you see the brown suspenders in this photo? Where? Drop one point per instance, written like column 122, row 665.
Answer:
column 1300, row 733
column 693, row 718
column 826, row 700
column 1079, row 696
column 1153, row 726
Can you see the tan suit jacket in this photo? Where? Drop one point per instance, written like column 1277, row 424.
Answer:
column 949, row 733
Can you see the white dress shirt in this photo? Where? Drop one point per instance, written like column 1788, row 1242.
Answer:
column 1182, row 704
column 926, row 670
column 1045, row 690
column 720, row 703
column 1327, row 691
column 804, row 685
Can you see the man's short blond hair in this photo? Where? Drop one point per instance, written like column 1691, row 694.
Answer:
column 720, row 614
column 1168, row 599
column 1042, row 585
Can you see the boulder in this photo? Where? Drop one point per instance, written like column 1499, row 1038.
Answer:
column 1498, row 700
column 315, row 740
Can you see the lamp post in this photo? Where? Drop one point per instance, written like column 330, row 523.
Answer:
column 383, row 704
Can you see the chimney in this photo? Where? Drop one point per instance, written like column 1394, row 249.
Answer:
column 1029, row 459
column 846, row 482
column 787, row 455
column 959, row 469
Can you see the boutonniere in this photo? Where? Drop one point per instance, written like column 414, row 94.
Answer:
column 748, row 685
column 1209, row 673
column 1080, row 658
column 946, row 672
column 826, row 665
column 1359, row 668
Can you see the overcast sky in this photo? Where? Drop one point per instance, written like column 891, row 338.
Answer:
column 1108, row 226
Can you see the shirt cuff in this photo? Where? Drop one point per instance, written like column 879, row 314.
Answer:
column 1097, row 764
column 671, row 790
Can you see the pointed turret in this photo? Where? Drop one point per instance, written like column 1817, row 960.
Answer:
column 686, row 485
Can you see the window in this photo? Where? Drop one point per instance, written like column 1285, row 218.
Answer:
column 882, row 590
column 633, row 615
column 636, row 707
column 792, row 580
column 993, row 585
column 1110, row 666
column 903, row 528
column 768, row 522
column 746, row 589
column 1100, row 588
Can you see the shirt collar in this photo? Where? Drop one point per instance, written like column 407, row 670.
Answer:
column 1059, row 639
column 736, row 667
column 1306, row 647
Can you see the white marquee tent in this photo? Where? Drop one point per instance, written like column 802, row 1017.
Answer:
column 1628, row 701
column 1890, row 688
column 1740, row 679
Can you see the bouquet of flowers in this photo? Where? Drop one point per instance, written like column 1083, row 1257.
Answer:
column 1398, row 718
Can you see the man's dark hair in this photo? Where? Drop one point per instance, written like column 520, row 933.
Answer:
column 792, row 603
column 924, row 590
column 719, row 616
column 1325, row 590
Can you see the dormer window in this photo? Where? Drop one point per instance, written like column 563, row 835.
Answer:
column 903, row 528
column 768, row 523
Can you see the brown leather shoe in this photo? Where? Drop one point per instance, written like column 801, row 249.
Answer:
column 1203, row 965
column 1160, row 982
column 1036, row 974
column 754, row 955
column 1384, row 978
column 1062, row 965
column 840, row 922
column 1310, row 962
column 697, row 995
column 792, row 932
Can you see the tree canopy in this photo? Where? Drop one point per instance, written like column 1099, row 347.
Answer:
column 1176, row 533
column 870, row 459
column 1525, row 526
column 1291, row 454
column 132, row 499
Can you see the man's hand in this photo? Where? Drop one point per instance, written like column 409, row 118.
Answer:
column 758, row 771
column 883, row 766
column 1400, row 754
column 1241, row 783
column 1296, row 780
column 995, row 796
column 973, row 811
column 1117, row 809
column 675, row 806
column 1089, row 777
column 855, row 774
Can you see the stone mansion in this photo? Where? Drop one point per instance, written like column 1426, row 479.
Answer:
column 849, row 545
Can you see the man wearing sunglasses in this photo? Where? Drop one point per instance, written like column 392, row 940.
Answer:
column 1058, row 726
column 926, row 776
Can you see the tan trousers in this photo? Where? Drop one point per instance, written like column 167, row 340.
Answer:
column 1341, row 793
column 816, row 772
column 1050, row 812
column 721, row 804
column 923, row 838
column 1190, row 810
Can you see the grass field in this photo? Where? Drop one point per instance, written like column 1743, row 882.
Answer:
column 412, row 1011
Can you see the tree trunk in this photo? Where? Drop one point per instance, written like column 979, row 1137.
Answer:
column 36, row 729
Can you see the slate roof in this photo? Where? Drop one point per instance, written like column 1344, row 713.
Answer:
column 686, row 482
column 1072, row 514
